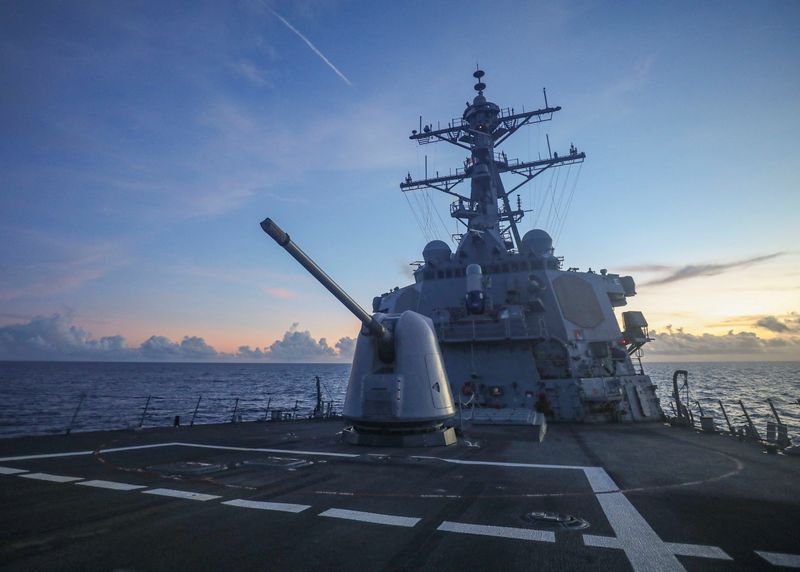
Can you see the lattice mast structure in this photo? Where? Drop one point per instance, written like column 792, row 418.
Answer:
column 483, row 127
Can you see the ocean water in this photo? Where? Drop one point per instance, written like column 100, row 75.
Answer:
column 43, row 397
column 751, row 382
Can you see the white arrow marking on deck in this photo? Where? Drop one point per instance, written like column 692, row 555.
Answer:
column 780, row 559
column 372, row 517
column 111, row 485
column 262, row 505
column 499, row 531
column 49, row 477
column 181, row 494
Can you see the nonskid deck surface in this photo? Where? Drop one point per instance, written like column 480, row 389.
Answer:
column 291, row 496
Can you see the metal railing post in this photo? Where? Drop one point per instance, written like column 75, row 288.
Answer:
column 266, row 411
column 144, row 411
column 749, row 421
column 196, row 407
column 75, row 415
column 235, row 409
column 725, row 415
column 774, row 411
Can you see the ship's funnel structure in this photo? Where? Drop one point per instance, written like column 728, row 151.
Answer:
column 398, row 393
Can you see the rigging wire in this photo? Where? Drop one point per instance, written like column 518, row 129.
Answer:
column 414, row 213
column 569, row 203
column 559, row 202
column 424, row 199
column 419, row 200
column 541, row 201
column 441, row 221
column 563, row 197
column 417, row 216
column 552, row 200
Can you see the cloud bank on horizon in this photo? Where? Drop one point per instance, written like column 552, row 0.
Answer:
column 55, row 338
column 676, row 342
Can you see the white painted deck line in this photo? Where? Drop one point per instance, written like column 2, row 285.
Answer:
column 259, row 450
column 81, row 453
column 137, row 447
column 643, row 547
column 498, row 531
column 181, row 494
column 601, row 541
column 502, row 464
column 780, row 559
column 698, row 550
column 175, row 444
column 11, row 471
column 262, row 505
column 373, row 517
column 49, row 477
column 111, row 485
column 600, row 480
column 45, row 456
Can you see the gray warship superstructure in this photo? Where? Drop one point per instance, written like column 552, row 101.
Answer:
column 516, row 330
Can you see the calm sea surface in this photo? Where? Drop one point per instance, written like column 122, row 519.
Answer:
column 43, row 397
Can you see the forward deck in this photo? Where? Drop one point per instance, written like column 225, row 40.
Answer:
column 291, row 496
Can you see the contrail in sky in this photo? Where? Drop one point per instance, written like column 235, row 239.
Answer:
column 310, row 45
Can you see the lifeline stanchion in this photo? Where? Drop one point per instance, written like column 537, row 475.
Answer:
column 235, row 409
column 750, row 422
column 75, row 415
column 196, row 407
column 725, row 415
column 774, row 411
column 144, row 411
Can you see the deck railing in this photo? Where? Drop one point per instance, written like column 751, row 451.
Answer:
column 101, row 411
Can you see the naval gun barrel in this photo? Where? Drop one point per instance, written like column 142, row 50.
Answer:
column 278, row 235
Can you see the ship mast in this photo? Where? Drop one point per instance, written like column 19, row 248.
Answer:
column 482, row 128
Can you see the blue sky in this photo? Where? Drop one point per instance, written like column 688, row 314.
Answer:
column 143, row 143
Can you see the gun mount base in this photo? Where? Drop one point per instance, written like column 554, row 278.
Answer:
column 437, row 437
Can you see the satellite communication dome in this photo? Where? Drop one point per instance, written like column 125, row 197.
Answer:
column 436, row 251
column 537, row 241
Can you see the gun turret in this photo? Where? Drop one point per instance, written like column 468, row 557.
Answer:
column 398, row 393
column 282, row 238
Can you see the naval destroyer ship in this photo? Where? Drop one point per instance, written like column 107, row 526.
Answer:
column 440, row 460
column 515, row 328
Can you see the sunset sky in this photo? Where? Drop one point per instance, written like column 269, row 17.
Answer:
column 143, row 143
